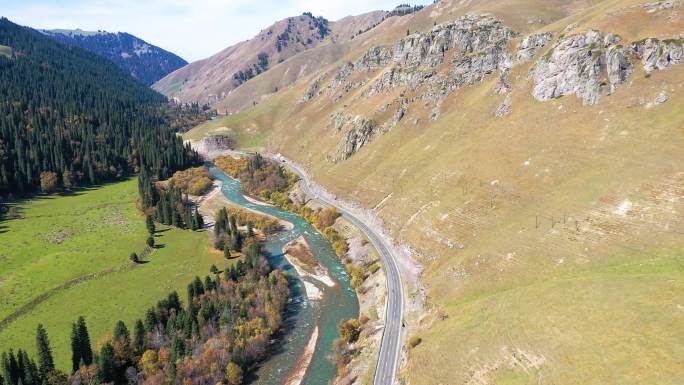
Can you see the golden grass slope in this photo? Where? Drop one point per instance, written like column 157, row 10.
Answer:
column 552, row 238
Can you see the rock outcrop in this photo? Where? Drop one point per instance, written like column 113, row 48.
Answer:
column 659, row 54
column 531, row 44
column 504, row 108
column 590, row 65
column 480, row 45
column 357, row 131
column 374, row 58
column 575, row 66
column 619, row 65
column 467, row 35
column 213, row 146
column 426, row 67
column 312, row 91
column 661, row 5
column 431, row 65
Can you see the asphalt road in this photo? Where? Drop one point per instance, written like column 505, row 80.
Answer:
column 388, row 359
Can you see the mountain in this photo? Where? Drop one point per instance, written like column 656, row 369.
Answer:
column 213, row 79
column 142, row 60
column 70, row 117
column 527, row 153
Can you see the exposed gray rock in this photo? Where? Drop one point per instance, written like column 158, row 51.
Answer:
column 574, row 66
column 661, row 5
column 504, row 108
column 467, row 34
column 531, row 44
column 472, row 68
column 213, row 146
column 659, row 54
column 313, row 88
column 481, row 44
column 346, row 88
column 589, row 65
column 359, row 132
column 338, row 120
column 619, row 65
column 343, row 72
column 398, row 115
column 398, row 77
column 374, row 58
column 504, row 83
column 661, row 98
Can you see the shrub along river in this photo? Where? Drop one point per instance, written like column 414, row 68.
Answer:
column 304, row 314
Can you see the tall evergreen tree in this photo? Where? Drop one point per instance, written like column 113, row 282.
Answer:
column 107, row 364
column 45, row 359
column 121, row 331
column 76, row 354
column 84, row 340
column 139, row 337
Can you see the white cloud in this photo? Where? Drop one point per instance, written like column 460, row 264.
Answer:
column 194, row 29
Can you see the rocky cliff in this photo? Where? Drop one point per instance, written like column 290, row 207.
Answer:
column 424, row 68
column 428, row 65
column 590, row 65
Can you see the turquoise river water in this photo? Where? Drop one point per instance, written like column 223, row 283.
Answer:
column 337, row 303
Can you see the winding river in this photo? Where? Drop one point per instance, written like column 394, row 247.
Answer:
column 304, row 315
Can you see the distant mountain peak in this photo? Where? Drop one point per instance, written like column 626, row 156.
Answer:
column 141, row 59
column 213, row 79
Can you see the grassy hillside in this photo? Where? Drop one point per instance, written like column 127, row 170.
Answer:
column 74, row 250
column 551, row 237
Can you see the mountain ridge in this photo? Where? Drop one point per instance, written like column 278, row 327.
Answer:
column 144, row 61
column 212, row 80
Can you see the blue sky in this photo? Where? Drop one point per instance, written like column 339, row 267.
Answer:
column 193, row 29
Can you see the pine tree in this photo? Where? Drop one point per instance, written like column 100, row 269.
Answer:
column 84, row 339
column 76, row 354
column 106, row 365
column 121, row 331
column 139, row 337
column 45, row 360
column 233, row 226
column 200, row 220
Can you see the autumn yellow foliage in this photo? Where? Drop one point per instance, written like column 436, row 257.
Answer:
column 193, row 181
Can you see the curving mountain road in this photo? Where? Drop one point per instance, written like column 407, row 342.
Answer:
column 388, row 358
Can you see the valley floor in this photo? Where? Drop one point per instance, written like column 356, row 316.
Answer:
column 68, row 256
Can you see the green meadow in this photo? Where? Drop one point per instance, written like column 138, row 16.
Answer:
column 68, row 255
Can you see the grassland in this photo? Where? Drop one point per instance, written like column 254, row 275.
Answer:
column 72, row 251
column 248, row 136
